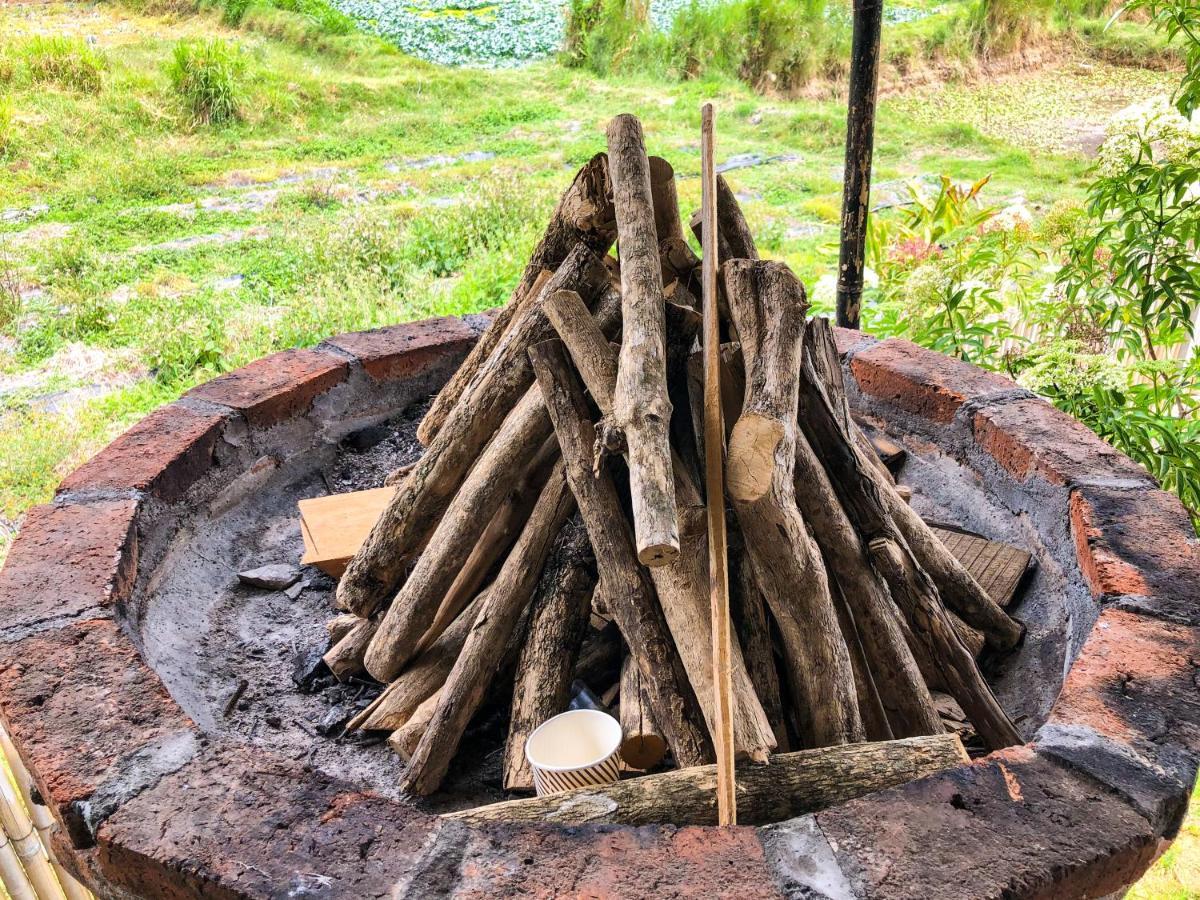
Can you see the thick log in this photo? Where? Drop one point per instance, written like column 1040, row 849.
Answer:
column 641, row 405
column 768, row 305
column 790, row 785
column 559, row 618
column 623, row 583
column 668, row 224
column 488, row 638
column 736, row 239
column 418, row 504
column 345, row 658
column 827, row 425
column 682, row 585
column 750, row 622
column 643, row 745
column 424, row 677
column 584, row 215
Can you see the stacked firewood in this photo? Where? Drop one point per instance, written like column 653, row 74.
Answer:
column 561, row 486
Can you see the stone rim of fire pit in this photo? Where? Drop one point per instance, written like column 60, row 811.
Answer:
column 153, row 807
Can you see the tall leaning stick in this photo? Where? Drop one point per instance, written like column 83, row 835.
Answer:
column 714, row 480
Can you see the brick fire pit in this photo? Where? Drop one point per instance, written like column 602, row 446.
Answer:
column 105, row 681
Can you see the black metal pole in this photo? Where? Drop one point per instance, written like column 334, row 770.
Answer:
column 860, row 147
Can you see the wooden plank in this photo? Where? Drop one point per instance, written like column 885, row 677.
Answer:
column 335, row 526
column 999, row 568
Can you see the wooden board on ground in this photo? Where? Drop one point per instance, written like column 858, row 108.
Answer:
column 998, row 567
column 335, row 526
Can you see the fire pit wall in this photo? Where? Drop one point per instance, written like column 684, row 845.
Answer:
column 153, row 804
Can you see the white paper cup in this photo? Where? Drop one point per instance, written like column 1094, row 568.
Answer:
column 578, row 748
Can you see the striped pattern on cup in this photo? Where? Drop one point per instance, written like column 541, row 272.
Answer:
column 579, row 748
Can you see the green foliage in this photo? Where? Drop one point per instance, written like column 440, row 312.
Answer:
column 65, row 61
column 8, row 127
column 206, row 76
column 233, row 11
column 1180, row 22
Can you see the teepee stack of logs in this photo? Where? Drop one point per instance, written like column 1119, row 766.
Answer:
column 561, row 486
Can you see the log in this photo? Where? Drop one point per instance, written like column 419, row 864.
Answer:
column 668, row 225
column 584, row 215
column 420, row 680
column 753, row 629
column 790, row 785
column 404, row 740
column 642, row 746
column 875, row 719
column 736, row 239
column 345, row 658
column 768, row 305
column 559, row 619
column 418, row 504
column 600, row 656
column 641, row 405
column 682, row 585
column 484, row 649
column 340, row 626
column 623, row 583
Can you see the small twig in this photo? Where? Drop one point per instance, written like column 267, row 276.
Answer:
column 232, row 702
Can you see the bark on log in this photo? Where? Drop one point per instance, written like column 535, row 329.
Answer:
column 667, row 222
column 623, row 583
column 584, row 215
column 749, row 613
column 418, row 504
column 600, row 657
column 345, row 658
column 682, row 585
column 484, row 649
column 340, row 626
column 556, row 628
column 791, row 784
column 874, row 718
column 404, row 740
column 641, row 405
column 642, row 746
column 423, row 678
column 768, row 306
column 736, row 239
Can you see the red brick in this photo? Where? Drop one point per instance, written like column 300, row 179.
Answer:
column 610, row 861
column 405, row 351
column 164, row 454
column 77, row 701
column 1012, row 825
column 1135, row 680
column 1138, row 542
column 923, row 382
column 241, row 821
column 67, row 560
column 276, row 387
column 847, row 340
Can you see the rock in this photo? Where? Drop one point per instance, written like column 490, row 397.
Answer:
column 308, row 667
column 295, row 590
column 274, row 577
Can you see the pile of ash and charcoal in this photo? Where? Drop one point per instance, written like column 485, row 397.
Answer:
column 553, row 532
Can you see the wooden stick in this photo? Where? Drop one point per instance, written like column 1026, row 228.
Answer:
column 418, row 504
column 583, row 216
column 753, row 630
column 404, row 740
column 791, row 784
column 643, row 746
column 714, row 481
column 641, row 406
column 345, row 658
column 623, row 583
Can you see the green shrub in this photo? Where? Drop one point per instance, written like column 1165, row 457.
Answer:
column 205, row 75
column 607, row 35
column 69, row 62
column 232, row 11
column 8, row 129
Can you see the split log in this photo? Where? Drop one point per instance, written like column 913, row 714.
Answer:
column 420, row 680
column 642, row 746
column 584, row 215
column 736, row 241
column 790, row 785
column 404, row 740
column 345, row 658
column 484, row 649
column 768, row 306
column 682, row 585
column 418, row 504
column 623, row 583
column 641, row 406
column 749, row 613
column 544, row 671
column 828, row 427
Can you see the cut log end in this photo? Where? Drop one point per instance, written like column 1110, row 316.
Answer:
column 661, row 554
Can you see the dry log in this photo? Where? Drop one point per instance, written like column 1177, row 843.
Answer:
column 667, row 222
column 340, row 626
column 420, row 501
column 404, row 740
column 345, row 658
column 791, row 784
column 641, row 405
column 768, row 305
column 736, row 239
column 642, row 746
column 623, row 583
column 584, row 215
column 749, row 613
column 874, row 718
column 424, row 677
column 488, row 638
column 682, row 585
column 547, row 660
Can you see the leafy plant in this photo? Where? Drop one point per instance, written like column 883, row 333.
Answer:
column 206, row 75
column 69, row 62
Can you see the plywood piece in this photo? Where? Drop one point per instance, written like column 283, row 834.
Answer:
column 998, row 567
column 335, row 526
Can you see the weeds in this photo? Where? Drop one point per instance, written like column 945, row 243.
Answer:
column 206, row 75
column 68, row 62
column 8, row 127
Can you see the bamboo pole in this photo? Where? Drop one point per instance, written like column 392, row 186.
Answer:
column 23, row 837
column 714, row 434
column 860, row 148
